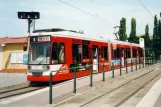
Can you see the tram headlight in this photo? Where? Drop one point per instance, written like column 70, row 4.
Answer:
column 45, row 67
column 29, row 67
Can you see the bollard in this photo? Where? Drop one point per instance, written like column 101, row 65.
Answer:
column 143, row 63
column 113, row 75
column 136, row 64
column 120, row 68
column 131, row 66
column 91, row 79
column 139, row 64
column 148, row 61
column 74, row 80
column 50, row 89
column 126, row 67
column 103, row 72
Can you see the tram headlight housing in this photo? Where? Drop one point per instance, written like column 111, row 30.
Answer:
column 29, row 67
column 45, row 67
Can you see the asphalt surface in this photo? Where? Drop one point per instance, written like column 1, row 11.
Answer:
column 9, row 79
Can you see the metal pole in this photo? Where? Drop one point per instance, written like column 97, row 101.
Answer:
column 74, row 80
column 33, row 24
column 91, row 79
column 103, row 72
column 126, row 67
column 143, row 64
column 144, row 57
column 113, row 75
column 148, row 61
column 29, row 23
column 120, row 68
column 131, row 66
column 139, row 64
column 50, row 89
column 136, row 64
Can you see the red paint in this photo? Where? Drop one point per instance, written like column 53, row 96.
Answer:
column 68, row 58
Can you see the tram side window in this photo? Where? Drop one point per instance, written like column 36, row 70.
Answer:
column 141, row 53
column 115, row 54
column 105, row 52
column 100, row 53
column 76, row 53
column 134, row 53
column 128, row 53
column 85, row 52
column 58, row 53
column 102, row 50
column 118, row 52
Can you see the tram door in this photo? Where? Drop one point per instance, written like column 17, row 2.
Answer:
column 95, row 58
column 123, row 56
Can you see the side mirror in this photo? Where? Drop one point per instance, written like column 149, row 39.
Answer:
column 25, row 48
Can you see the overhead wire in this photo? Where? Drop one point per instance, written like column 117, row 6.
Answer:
column 86, row 12
column 146, row 8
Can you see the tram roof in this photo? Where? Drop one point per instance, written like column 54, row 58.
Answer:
column 74, row 34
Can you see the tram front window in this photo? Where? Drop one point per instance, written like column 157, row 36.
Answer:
column 39, row 53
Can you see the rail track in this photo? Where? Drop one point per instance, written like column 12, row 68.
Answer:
column 123, row 100
column 115, row 93
column 91, row 99
column 20, row 89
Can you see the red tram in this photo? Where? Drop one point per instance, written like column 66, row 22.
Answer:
column 56, row 51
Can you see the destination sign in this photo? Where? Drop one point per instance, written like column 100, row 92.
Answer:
column 39, row 38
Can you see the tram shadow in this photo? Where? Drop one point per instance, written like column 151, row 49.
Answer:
column 44, row 84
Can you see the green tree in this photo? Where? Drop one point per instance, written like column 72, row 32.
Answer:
column 159, row 36
column 133, row 38
column 147, row 38
column 122, row 30
column 155, row 37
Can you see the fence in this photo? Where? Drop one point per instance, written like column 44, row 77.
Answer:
column 148, row 62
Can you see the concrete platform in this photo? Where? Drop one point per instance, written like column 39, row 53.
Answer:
column 153, row 97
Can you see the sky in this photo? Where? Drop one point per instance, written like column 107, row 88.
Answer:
column 55, row 14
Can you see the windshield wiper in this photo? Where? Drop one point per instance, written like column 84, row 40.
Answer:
column 44, row 57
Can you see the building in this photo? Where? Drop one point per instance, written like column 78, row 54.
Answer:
column 12, row 55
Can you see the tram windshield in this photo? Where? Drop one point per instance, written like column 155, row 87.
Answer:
column 39, row 53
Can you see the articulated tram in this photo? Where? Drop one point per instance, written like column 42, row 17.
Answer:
column 57, row 51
